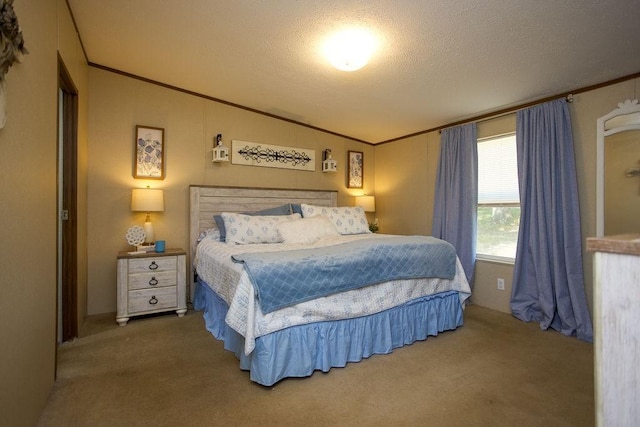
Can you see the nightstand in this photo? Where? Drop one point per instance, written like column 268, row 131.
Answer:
column 151, row 283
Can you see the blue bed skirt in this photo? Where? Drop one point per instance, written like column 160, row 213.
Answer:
column 300, row 350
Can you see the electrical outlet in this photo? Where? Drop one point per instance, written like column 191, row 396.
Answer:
column 500, row 284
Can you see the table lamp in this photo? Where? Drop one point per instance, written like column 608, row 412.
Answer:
column 147, row 200
column 368, row 203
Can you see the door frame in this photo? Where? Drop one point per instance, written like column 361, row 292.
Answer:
column 68, row 193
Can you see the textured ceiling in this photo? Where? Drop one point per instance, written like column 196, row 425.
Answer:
column 438, row 61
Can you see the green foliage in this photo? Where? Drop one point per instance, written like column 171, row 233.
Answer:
column 498, row 230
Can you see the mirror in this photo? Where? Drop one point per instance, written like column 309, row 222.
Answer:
column 618, row 171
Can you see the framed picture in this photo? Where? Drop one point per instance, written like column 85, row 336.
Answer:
column 356, row 169
column 148, row 158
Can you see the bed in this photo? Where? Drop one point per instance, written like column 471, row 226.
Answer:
column 289, row 308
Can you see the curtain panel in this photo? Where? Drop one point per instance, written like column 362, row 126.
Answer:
column 456, row 195
column 548, row 282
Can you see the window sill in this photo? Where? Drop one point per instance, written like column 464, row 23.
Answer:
column 496, row 259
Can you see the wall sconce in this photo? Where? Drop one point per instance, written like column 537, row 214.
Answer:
column 220, row 152
column 147, row 200
column 328, row 164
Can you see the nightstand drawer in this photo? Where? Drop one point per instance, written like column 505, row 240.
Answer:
column 152, row 299
column 152, row 280
column 145, row 265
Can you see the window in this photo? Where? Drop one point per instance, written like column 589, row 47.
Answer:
column 498, row 198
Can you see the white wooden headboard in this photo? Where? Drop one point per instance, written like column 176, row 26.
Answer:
column 206, row 201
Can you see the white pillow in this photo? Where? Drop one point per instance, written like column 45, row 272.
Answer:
column 347, row 220
column 244, row 229
column 307, row 231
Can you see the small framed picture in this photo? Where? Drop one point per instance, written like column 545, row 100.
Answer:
column 356, row 169
column 148, row 158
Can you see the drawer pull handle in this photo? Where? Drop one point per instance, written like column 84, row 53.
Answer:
column 153, row 266
column 153, row 281
column 153, row 300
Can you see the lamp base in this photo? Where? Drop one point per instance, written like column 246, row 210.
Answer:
column 148, row 231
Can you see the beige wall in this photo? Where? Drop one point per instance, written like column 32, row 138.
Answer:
column 119, row 103
column 406, row 171
column 28, row 210
column 404, row 196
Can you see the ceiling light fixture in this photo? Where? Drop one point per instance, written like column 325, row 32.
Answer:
column 350, row 49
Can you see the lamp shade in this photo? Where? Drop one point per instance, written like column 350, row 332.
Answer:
column 368, row 203
column 147, row 200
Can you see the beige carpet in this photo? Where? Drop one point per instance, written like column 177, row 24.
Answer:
column 164, row 370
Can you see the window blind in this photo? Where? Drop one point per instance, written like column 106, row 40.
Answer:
column 498, row 171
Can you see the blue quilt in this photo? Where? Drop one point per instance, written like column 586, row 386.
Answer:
column 286, row 278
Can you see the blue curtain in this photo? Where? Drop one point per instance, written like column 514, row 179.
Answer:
column 548, row 282
column 456, row 197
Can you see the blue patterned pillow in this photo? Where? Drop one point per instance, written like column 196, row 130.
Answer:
column 347, row 220
column 245, row 229
column 278, row 210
